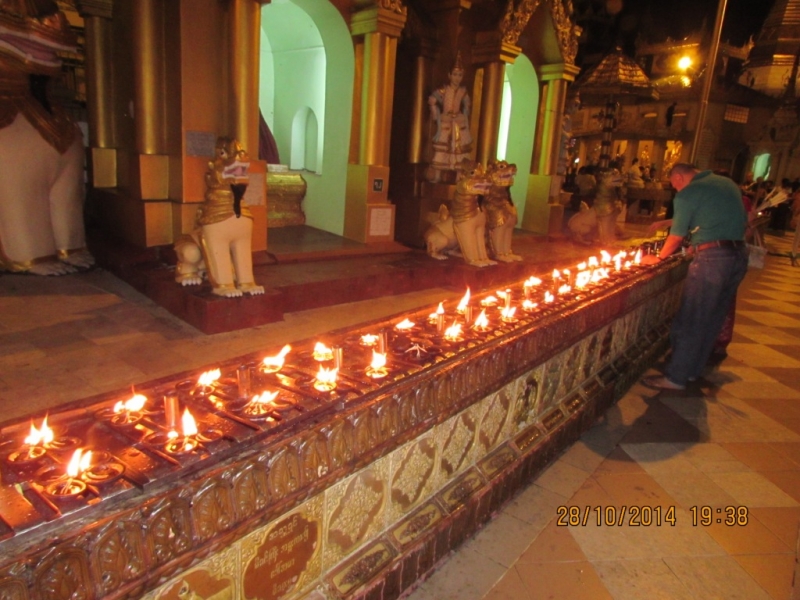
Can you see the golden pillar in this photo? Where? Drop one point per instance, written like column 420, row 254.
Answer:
column 369, row 217
column 543, row 210
column 149, row 104
column 244, row 39
column 100, row 92
column 419, row 110
column 492, row 53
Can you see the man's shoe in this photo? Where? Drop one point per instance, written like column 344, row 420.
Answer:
column 658, row 382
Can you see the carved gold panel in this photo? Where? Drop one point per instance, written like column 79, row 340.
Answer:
column 496, row 409
column 457, row 440
column 417, row 523
column 362, row 567
column 413, row 476
column 216, row 578
column 285, row 556
column 356, row 511
column 527, row 397
column 551, row 380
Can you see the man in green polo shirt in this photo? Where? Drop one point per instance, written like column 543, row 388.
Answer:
column 709, row 208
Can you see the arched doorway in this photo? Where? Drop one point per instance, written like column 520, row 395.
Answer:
column 305, row 95
column 521, row 95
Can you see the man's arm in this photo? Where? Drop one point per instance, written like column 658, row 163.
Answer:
column 671, row 244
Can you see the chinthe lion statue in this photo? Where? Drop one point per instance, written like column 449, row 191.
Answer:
column 465, row 222
column 501, row 214
column 221, row 247
column 41, row 148
column 599, row 221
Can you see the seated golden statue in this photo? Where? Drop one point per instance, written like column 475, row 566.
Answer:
column 221, row 247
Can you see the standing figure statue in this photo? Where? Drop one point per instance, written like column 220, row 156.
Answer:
column 222, row 245
column 450, row 105
column 501, row 214
column 41, row 148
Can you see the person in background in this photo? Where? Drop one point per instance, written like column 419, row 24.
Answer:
column 635, row 175
column 709, row 207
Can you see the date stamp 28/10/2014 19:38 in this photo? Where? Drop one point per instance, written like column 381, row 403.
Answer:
column 649, row 516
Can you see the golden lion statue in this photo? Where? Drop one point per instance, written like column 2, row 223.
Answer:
column 221, row 247
column 601, row 218
column 501, row 214
column 465, row 222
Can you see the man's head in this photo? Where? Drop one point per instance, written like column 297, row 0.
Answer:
column 681, row 175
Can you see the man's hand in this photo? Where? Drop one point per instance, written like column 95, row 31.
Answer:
column 650, row 259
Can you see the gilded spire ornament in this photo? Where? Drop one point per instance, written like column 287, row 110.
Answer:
column 516, row 18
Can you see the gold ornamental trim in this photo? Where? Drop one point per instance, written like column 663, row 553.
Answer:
column 516, row 18
column 57, row 129
column 567, row 32
column 95, row 8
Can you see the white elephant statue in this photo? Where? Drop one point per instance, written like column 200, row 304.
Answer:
column 41, row 148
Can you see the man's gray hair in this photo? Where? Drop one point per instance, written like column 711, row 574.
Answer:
column 683, row 169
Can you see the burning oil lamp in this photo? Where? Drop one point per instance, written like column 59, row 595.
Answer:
column 507, row 314
column 338, row 357
column 564, row 289
column 453, row 333
column 326, row 380
column 528, row 305
column 322, row 352
column 529, row 284
column 187, row 440
column 637, row 259
column 434, row 316
column 34, row 446
column 369, row 339
column 462, row 306
column 506, row 296
column 129, row 412
column 549, row 298
column 260, row 405
column 404, row 325
column 593, row 262
column 618, row 261
column 69, row 486
column 205, row 383
column 605, row 257
column 489, row 301
column 273, row 364
column 583, row 279
column 377, row 368
column 482, row 322
column 568, row 276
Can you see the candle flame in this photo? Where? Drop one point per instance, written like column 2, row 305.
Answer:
column 378, row 360
column 637, row 260
column 489, row 301
column 556, row 274
column 189, row 425
column 133, row 404
column 627, row 264
column 605, row 257
column 532, row 281
column 404, row 324
column 209, row 377
column 583, row 279
column 482, row 322
column 548, row 297
column 462, row 306
column 508, row 312
column 369, row 339
column 41, row 436
column 564, row 289
column 275, row 363
column 453, row 332
column 322, row 352
column 528, row 305
column 593, row 261
column 264, row 398
column 327, row 376
column 78, row 463
column 582, row 266
column 440, row 309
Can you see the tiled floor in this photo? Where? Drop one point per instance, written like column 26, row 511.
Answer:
column 733, row 440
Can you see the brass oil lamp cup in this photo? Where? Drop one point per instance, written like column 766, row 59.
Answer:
column 377, row 368
column 404, row 325
column 102, row 470
column 454, row 333
column 185, row 442
column 261, row 405
column 482, row 322
column 322, row 353
column 34, row 446
column 273, row 364
column 507, row 315
column 325, row 380
column 127, row 413
column 69, row 486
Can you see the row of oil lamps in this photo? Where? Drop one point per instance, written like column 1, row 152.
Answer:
column 182, row 434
